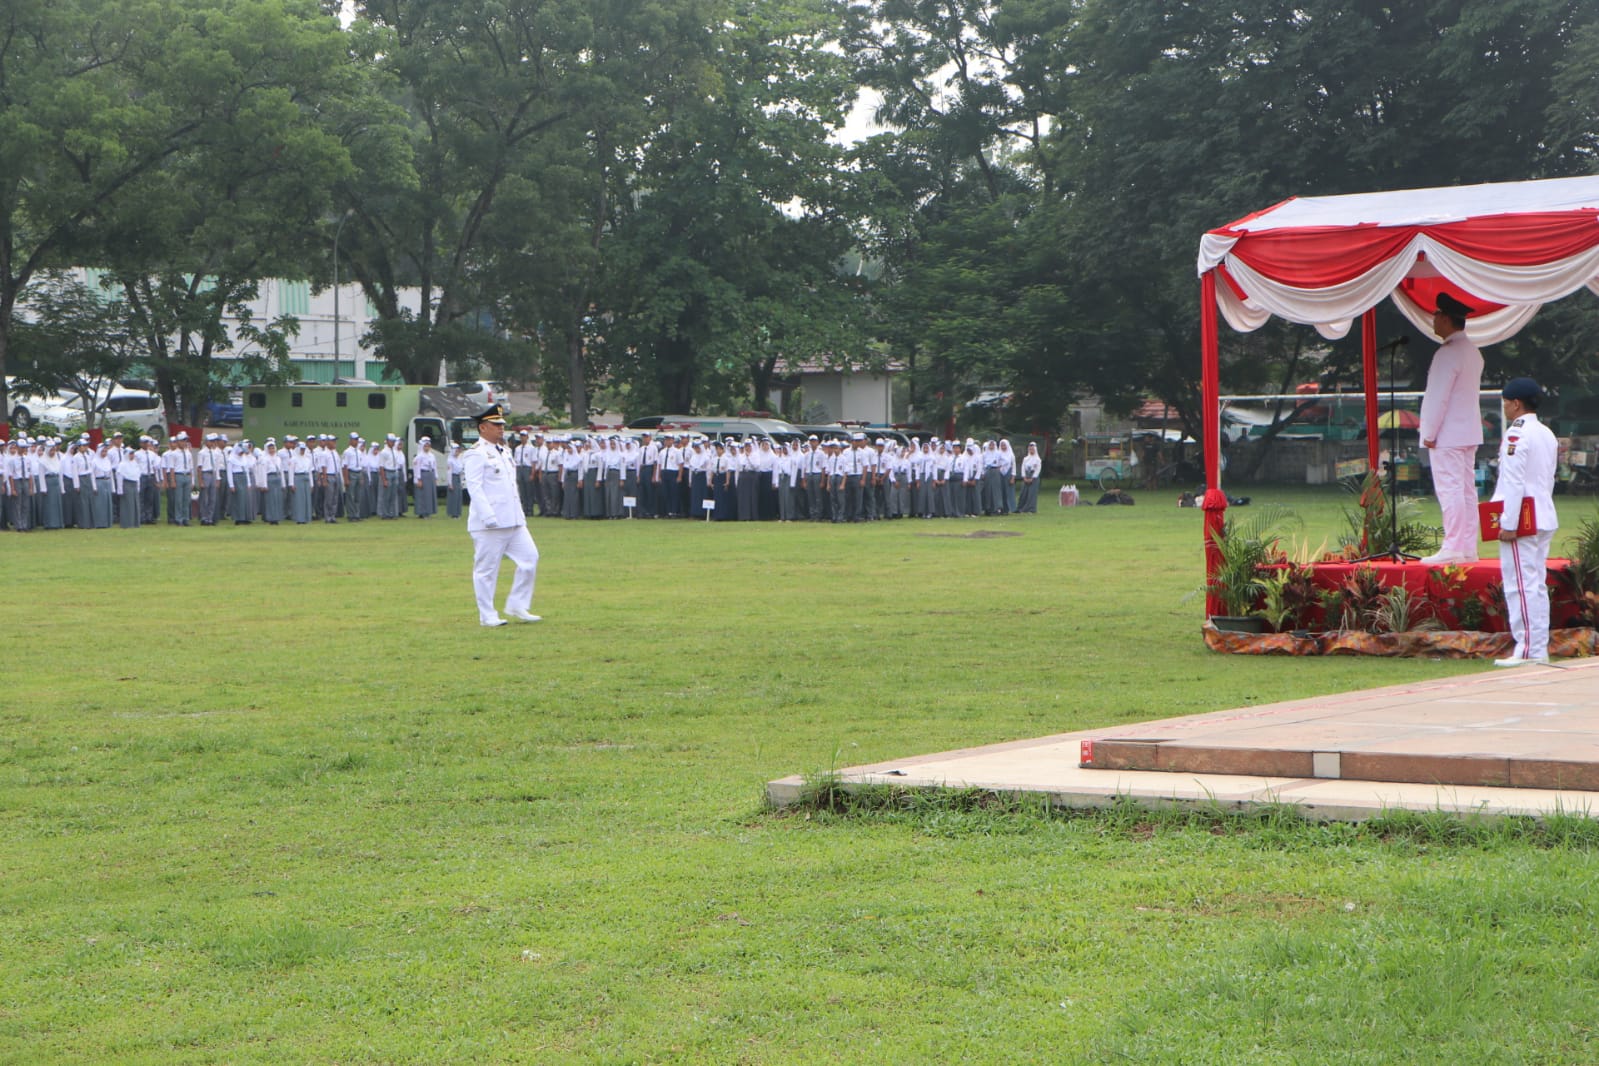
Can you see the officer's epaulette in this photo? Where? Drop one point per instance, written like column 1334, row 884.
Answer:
column 1519, row 421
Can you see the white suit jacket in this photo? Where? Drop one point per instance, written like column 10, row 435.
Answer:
column 1450, row 412
column 490, row 479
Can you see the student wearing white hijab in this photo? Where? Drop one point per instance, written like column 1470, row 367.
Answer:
column 425, row 477
column 1032, row 467
column 241, row 499
column 1007, row 477
column 50, row 509
column 101, row 472
column 457, row 470
column 299, row 481
column 611, row 461
column 268, row 482
column 127, row 479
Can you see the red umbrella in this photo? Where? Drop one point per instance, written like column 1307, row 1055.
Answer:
column 1399, row 420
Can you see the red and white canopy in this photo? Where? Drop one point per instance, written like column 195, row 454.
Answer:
column 1323, row 261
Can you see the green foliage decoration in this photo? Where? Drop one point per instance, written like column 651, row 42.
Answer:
column 1244, row 549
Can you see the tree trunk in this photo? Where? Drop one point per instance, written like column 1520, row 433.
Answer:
column 5, row 348
column 577, row 388
column 761, row 380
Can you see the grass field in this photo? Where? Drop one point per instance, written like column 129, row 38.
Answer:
column 271, row 795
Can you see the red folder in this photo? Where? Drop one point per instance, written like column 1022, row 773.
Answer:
column 1488, row 514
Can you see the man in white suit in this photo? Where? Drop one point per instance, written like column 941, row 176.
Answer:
column 1527, row 458
column 1451, row 429
column 496, row 522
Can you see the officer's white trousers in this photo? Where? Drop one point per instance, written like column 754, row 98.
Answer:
column 492, row 545
column 1523, row 563
column 1454, row 480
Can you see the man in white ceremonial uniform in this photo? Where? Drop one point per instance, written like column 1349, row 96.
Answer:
column 497, row 524
column 1527, row 458
column 1451, row 430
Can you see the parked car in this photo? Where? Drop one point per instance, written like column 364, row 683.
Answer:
column 483, row 393
column 716, row 427
column 27, row 402
column 143, row 409
column 228, row 412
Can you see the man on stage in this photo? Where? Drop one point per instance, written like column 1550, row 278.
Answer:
column 1527, row 458
column 1451, row 429
column 497, row 524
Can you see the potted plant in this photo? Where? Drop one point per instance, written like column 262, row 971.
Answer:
column 1580, row 581
column 1244, row 550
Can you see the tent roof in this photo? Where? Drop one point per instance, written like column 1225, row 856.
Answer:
column 1504, row 249
column 1424, row 207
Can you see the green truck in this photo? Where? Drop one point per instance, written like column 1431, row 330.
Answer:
column 410, row 412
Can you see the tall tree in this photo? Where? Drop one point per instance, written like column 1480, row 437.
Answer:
column 493, row 92
column 189, row 243
column 956, row 186
column 727, row 253
column 644, row 64
column 78, row 132
column 1187, row 116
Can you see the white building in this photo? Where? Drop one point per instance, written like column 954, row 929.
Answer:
column 847, row 395
column 331, row 327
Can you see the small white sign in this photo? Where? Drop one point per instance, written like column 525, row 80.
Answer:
column 708, row 505
column 629, row 501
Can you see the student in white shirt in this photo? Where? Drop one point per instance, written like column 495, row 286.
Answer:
column 456, row 469
column 425, row 478
column 1032, row 467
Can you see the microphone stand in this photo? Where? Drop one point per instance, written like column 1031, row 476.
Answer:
column 1392, row 554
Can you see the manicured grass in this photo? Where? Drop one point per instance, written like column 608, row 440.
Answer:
column 271, row 795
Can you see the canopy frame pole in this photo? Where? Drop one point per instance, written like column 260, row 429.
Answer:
column 1368, row 352
column 1215, row 502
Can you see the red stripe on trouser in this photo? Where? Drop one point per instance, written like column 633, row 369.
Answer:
column 1521, row 592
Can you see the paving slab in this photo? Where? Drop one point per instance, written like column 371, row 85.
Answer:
column 1505, row 742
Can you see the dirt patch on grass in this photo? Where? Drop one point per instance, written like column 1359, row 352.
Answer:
column 976, row 534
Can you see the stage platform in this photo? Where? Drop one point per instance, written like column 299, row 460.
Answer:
column 1523, row 741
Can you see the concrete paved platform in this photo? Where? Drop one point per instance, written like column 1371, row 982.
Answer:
column 1522, row 741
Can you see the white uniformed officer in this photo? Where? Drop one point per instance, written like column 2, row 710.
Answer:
column 496, row 522
column 1451, row 429
column 1527, row 457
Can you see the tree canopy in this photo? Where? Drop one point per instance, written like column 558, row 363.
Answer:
column 654, row 197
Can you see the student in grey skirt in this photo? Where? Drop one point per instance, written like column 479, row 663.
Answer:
column 269, row 482
column 457, row 469
column 425, row 475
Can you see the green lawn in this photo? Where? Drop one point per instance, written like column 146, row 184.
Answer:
column 271, row 795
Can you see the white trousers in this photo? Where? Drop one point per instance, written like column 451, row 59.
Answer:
column 493, row 545
column 1454, row 480
column 1524, row 564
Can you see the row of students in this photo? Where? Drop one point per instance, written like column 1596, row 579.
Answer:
column 51, row 484
column 759, row 479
